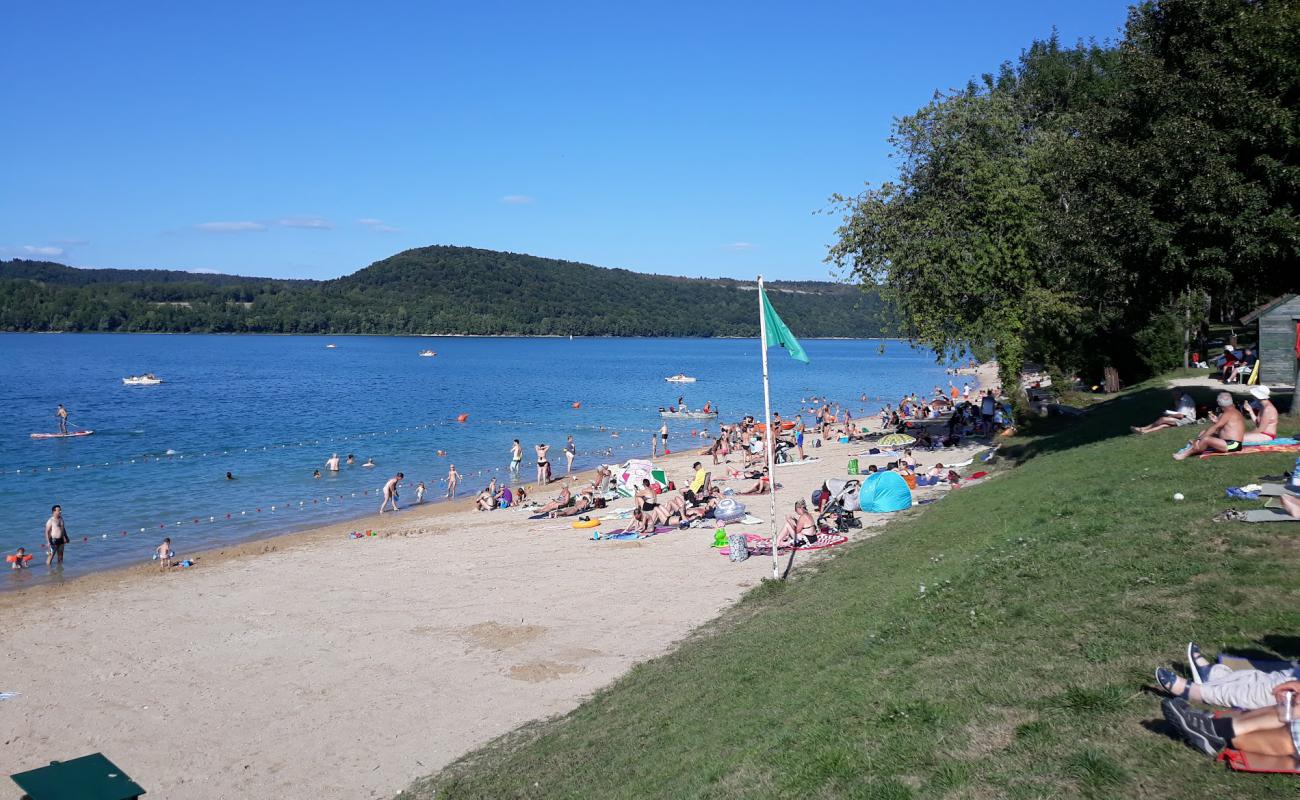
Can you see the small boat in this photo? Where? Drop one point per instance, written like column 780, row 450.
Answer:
column 147, row 379
column 680, row 378
column 330, row 346
column 427, row 354
column 68, row 435
column 688, row 414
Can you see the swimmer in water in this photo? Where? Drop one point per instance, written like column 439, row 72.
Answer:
column 20, row 559
column 351, row 459
column 370, row 462
column 316, row 474
column 332, row 463
column 229, row 477
column 419, row 492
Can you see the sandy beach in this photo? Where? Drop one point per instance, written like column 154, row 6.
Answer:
column 317, row 666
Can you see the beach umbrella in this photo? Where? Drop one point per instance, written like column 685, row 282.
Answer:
column 895, row 439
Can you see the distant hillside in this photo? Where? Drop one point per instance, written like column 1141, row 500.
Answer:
column 429, row 290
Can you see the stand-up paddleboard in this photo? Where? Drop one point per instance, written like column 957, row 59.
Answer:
column 71, row 435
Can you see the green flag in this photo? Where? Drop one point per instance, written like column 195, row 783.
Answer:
column 778, row 333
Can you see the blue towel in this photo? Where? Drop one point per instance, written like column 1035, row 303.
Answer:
column 1238, row 494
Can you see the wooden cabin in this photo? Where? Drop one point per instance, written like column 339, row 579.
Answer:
column 1279, row 347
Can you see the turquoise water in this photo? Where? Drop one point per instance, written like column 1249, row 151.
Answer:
column 271, row 409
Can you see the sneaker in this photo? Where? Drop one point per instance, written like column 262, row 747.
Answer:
column 1196, row 727
column 1195, row 658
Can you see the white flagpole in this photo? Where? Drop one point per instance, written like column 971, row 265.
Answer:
column 767, row 424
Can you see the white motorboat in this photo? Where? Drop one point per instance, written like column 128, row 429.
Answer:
column 147, row 379
column 330, row 346
column 680, row 378
column 427, row 354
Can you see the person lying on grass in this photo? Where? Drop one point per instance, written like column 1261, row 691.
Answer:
column 1224, row 436
column 1219, row 685
column 1182, row 413
column 1258, row 733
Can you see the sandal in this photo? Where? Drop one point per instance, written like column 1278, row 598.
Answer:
column 1230, row 515
column 1168, row 679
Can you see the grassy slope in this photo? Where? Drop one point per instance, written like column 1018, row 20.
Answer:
column 1051, row 594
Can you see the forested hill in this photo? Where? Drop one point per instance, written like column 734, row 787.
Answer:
column 432, row 290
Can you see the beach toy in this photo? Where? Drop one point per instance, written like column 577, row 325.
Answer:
column 577, row 405
column 13, row 559
column 729, row 510
column 586, row 523
column 719, row 538
column 462, row 418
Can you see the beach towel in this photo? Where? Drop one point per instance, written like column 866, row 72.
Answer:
column 1277, row 490
column 1268, row 515
column 762, row 546
column 623, row 534
column 1258, row 448
column 1237, row 761
column 800, row 463
column 1281, row 441
column 9, row 695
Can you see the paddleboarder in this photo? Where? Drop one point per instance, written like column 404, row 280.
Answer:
column 62, row 415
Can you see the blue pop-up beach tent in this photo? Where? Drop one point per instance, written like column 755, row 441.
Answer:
column 884, row 491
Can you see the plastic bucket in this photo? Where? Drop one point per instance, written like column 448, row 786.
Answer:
column 853, row 466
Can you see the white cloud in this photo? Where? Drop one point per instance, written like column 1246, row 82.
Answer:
column 376, row 225
column 517, row 199
column 230, row 227
column 42, row 251
column 71, row 242
column 309, row 223
column 741, row 246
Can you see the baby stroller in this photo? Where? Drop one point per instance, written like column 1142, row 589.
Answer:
column 838, row 513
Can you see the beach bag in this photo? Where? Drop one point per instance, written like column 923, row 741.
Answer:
column 738, row 547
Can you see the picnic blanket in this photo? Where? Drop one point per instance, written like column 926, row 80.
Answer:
column 1258, row 448
column 1237, row 761
column 762, row 546
column 1276, row 490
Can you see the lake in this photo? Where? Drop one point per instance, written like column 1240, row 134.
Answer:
column 271, row 409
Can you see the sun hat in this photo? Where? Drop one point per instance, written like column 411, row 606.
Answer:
column 1259, row 392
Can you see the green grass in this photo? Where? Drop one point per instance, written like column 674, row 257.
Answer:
column 1051, row 593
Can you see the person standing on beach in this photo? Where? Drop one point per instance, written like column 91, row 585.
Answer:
column 62, row 415
column 570, row 450
column 56, row 534
column 663, row 438
column 453, row 478
column 516, row 458
column 419, row 493
column 390, row 492
column 965, row 391
column 332, row 463
column 543, row 464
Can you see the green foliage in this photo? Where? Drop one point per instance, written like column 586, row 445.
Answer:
column 1160, row 343
column 448, row 290
column 1058, row 208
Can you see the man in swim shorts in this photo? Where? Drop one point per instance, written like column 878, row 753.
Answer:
column 1263, row 413
column 1224, row 436
column 332, row 463
column 390, row 492
column 56, row 534
column 516, row 457
column 62, row 415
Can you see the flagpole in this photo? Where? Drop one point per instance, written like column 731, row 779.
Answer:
column 767, row 425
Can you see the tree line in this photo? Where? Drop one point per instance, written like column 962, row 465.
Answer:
column 430, row 290
column 1094, row 205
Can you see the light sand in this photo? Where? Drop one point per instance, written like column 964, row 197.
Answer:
column 314, row 666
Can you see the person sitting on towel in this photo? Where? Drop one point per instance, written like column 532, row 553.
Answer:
column 1224, row 436
column 1182, row 413
column 800, row 530
column 581, row 504
column 1220, row 685
column 764, row 485
column 486, row 501
column 1263, row 413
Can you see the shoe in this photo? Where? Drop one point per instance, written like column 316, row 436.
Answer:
column 1196, row 727
column 1194, row 657
column 1168, row 679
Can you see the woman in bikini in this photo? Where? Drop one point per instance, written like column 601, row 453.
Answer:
column 800, row 529
column 543, row 464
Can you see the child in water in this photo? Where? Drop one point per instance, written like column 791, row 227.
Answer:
column 419, row 492
column 370, row 462
column 20, row 559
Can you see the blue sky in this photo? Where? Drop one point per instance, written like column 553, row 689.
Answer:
column 297, row 140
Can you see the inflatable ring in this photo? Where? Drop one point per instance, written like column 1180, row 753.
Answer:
column 590, row 523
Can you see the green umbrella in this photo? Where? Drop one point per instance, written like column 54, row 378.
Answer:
column 896, row 439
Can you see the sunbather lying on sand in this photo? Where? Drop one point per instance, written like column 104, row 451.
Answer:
column 562, row 500
column 583, row 503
